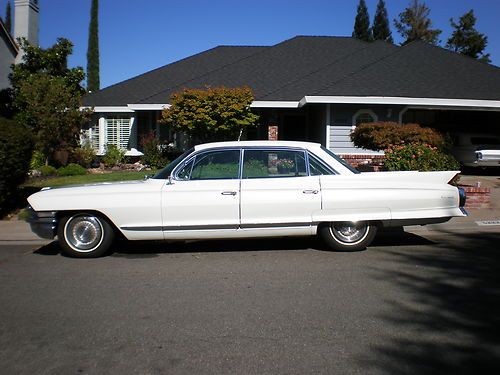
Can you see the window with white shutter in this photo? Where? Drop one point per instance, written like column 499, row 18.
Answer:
column 118, row 132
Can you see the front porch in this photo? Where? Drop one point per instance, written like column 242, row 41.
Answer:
column 329, row 124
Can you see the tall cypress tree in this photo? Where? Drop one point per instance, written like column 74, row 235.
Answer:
column 362, row 23
column 414, row 23
column 466, row 39
column 381, row 28
column 8, row 18
column 93, row 83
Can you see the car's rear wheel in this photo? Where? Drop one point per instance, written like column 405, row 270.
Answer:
column 348, row 235
column 85, row 235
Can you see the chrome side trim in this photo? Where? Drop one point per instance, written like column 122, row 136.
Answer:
column 217, row 227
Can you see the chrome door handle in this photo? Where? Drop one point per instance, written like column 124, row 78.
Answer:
column 311, row 191
column 228, row 193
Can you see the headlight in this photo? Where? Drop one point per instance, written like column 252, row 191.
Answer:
column 479, row 155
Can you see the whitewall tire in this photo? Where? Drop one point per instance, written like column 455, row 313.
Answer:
column 85, row 235
column 347, row 235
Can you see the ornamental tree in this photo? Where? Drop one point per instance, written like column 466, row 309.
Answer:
column 47, row 97
column 211, row 114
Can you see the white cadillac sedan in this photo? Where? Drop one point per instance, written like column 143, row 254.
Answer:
column 245, row 189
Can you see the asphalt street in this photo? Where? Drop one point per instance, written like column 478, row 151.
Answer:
column 411, row 304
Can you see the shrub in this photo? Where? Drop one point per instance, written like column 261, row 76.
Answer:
column 381, row 135
column 422, row 157
column 37, row 160
column 71, row 169
column 16, row 146
column 48, row 170
column 83, row 156
column 153, row 154
column 114, row 155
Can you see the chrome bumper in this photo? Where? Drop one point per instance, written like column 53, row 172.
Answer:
column 42, row 223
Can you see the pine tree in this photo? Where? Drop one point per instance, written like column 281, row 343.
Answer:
column 362, row 23
column 93, row 83
column 8, row 18
column 466, row 40
column 381, row 28
column 414, row 24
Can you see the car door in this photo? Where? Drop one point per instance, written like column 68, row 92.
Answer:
column 276, row 189
column 203, row 196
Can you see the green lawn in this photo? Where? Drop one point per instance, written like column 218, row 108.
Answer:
column 85, row 179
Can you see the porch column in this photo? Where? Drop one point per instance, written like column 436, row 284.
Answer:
column 133, row 133
column 102, row 135
column 328, row 123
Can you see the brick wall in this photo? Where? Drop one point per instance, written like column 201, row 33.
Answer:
column 477, row 197
column 365, row 163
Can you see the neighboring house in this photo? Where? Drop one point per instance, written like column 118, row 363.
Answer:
column 313, row 88
column 25, row 26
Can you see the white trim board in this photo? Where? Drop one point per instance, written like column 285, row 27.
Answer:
column 431, row 103
column 110, row 109
column 274, row 104
column 148, row 107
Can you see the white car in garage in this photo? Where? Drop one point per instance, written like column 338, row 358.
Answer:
column 241, row 190
column 477, row 150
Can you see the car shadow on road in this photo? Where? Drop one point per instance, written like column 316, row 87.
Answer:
column 148, row 249
column 448, row 321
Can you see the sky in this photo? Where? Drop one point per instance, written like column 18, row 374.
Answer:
column 136, row 36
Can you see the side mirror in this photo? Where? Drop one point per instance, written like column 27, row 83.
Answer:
column 170, row 180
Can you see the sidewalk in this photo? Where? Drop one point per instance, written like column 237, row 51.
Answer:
column 18, row 232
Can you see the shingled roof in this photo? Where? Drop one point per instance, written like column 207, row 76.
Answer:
column 321, row 66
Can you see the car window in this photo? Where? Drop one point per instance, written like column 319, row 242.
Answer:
column 273, row 163
column 340, row 160
column 316, row 168
column 165, row 172
column 211, row 166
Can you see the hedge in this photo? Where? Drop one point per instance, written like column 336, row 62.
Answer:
column 16, row 147
column 382, row 135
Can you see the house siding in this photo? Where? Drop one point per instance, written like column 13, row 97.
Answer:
column 7, row 58
column 341, row 125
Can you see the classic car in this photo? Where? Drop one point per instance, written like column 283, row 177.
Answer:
column 245, row 189
column 476, row 149
column 488, row 158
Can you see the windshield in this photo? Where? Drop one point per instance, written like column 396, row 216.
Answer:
column 165, row 172
column 340, row 160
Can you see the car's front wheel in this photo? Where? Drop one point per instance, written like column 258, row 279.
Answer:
column 348, row 235
column 85, row 235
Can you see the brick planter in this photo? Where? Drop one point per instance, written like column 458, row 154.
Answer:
column 363, row 160
column 477, row 197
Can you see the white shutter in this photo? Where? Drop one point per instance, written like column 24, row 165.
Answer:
column 118, row 132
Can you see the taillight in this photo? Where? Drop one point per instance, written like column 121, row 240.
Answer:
column 462, row 197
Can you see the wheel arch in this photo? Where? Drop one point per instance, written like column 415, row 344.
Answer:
column 63, row 213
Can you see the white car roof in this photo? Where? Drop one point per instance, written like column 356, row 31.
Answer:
column 298, row 144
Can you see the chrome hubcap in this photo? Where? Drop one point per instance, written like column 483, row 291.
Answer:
column 349, row 232
column 83, row 233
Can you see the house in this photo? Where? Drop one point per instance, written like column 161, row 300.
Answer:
column 25, row 26
column 313, row 88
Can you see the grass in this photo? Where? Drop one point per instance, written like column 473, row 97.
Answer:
column 85, row 179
